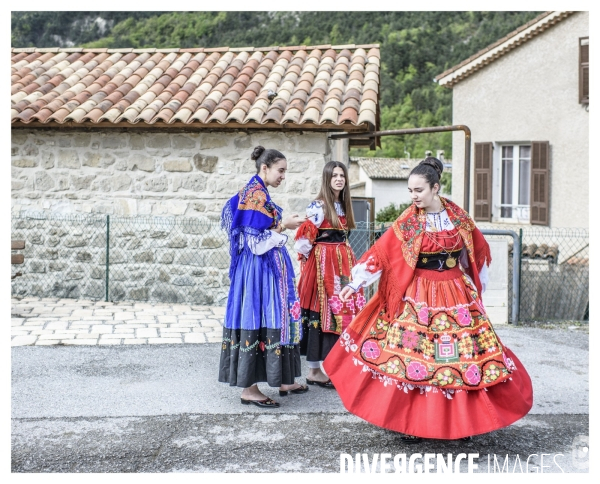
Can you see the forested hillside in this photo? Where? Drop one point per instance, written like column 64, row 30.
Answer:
column 415, row 47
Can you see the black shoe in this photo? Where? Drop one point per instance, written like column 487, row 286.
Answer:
column 324, row 384
column 411, row 439
column 267, row 403
column 300, row 389
column 466, row 439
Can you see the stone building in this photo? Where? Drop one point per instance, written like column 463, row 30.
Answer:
column 170, row 132
column 161, row 133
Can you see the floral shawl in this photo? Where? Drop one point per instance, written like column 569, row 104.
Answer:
column 397, row 251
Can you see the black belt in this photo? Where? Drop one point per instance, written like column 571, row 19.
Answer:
column 442, row 261
column 331, row 236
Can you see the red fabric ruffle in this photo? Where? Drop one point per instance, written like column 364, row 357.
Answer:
column 432, row 414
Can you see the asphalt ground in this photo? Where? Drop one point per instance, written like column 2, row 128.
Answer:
column 160, row 409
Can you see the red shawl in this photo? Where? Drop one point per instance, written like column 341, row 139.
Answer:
column 397, row 251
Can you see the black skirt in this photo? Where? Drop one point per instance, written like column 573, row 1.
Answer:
column 249, row 357
column 316, row 344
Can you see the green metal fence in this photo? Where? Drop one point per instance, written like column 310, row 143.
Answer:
column 186, row 260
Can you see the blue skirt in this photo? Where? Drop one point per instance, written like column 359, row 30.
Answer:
column 262, row 322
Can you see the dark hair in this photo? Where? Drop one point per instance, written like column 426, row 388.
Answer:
column 326, row 195
column 265, row 157
column 431, row 169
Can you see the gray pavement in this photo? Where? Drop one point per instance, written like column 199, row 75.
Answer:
column 159, row 408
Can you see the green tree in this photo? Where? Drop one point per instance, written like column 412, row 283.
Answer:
column 391, row 212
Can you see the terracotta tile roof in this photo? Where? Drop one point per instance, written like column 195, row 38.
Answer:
column 499, row 48
column 321, row 87
column 391, row 168
column 534, row 251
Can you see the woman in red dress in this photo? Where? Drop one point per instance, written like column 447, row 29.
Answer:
column 326, row 263
column 422, row 358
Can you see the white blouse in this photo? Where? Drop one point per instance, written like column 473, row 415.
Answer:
column 260, row 245
column 436, row 222
column 316, row 214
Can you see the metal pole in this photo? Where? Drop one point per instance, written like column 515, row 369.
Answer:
column 467, row 178
column 107, row 256
column 434, row 129
column 516, row 295
column 520, row 262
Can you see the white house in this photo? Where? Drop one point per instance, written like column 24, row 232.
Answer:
column 526, row 99
column 384, row 179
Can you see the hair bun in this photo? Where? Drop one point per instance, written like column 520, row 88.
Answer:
column 434, row 163
column 259, row 150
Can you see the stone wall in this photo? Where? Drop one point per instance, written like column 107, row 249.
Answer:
column 153, row 173
column 142, row 180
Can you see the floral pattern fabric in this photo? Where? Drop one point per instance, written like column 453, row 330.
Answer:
column 442, row 338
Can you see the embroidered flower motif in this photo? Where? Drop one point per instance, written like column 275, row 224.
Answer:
column 393, row 366
column 335, row 304
column 445, row 378
column 360, row 301
column 427, row 347
column 382, row 325
column 472, row 375
column 371, row 350
column 347, row 342
column 410, row 339
column 464, row 317
column 465, row 345
column 295, row 310
column 423, row 315
column 416, row 371
column 475, row 345
column 492, row 373
column 350, row 305
column 508, row 362
column 442, row 323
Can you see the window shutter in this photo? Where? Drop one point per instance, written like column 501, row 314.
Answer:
column 483, row 181
column 540, row 181
column 584, row 70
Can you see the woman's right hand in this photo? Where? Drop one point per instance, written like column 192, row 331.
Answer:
column 293, row 221
column 346, row 293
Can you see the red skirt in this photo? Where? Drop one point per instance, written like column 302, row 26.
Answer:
column 323, row 275
column 436, row 371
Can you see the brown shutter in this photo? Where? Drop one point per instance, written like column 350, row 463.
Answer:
column 540, row 182
column 584, row 70
column 483, row 181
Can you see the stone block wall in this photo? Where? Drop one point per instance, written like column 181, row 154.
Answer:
column 155, row 173
column 142, row 180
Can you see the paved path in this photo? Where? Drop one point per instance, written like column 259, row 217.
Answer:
column 52, row 321
column 159, row 408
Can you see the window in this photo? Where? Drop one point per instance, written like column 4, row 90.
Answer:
column 515, row 186
column 584, row 70
column 512, row 182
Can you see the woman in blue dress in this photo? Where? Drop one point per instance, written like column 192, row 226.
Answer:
column 262, row 328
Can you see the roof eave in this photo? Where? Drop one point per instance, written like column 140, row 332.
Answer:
column 478, row 61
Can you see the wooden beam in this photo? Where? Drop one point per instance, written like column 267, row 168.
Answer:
column 17, row 244
column 17, row 258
